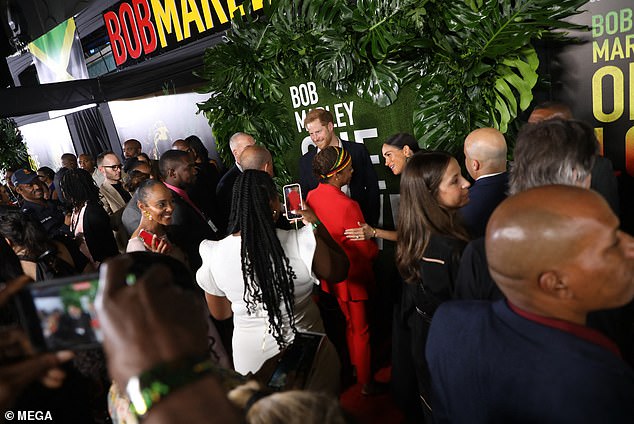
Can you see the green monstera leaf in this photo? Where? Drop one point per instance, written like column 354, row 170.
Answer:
column 488, row 65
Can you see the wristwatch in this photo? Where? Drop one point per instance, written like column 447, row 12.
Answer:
column 149, row 387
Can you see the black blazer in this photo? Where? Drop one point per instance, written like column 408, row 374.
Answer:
column 224, row 192
column 188, row 229
column 364, row 186
column 203, row 192
column 605, row 183
column 484, row 196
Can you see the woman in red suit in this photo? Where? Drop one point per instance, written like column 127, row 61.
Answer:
column 337, row 212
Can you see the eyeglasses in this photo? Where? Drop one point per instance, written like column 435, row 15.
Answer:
column 115, row 167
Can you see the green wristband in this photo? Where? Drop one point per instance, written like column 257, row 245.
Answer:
column 149, row 387
column 315, row 224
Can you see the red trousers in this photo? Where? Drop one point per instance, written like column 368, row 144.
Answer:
column 358, row 337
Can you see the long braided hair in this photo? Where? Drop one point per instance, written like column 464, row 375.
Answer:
column 79, row 187
column 266, row 271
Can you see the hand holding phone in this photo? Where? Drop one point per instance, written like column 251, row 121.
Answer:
column 154, row 243
column 19, row 372
column 19, row 364
column 59, row 313
column 292, row 201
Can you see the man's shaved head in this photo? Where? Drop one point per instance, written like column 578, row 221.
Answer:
column 557, row 251
column 258, row 158
column 485, row 152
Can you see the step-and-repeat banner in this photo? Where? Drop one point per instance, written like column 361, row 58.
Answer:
column 597, row 77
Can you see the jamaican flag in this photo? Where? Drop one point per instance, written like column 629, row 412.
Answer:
column 58, row 54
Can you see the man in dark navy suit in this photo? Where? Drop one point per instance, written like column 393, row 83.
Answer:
column 532, row 357
column 364, row 185
column 237, row 143
column 485, row 160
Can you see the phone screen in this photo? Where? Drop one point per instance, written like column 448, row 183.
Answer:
column 296, row 362
column 65, row 311
column 292, row 201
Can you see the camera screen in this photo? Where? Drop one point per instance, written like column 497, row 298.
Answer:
column 67, row 314
column 292, row 200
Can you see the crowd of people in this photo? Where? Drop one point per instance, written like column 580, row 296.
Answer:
column 513, row 301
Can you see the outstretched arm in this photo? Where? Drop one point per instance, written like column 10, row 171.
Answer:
column 366, row 232
column 330, row 262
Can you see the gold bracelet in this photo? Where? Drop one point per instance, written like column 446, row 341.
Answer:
column 373, row 232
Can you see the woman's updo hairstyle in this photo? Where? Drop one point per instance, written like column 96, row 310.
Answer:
column 329, row 162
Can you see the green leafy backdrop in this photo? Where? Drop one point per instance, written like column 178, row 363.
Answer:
column 13, row 151
column 470, row 62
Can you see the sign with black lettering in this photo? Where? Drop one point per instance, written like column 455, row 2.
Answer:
column 138, row 29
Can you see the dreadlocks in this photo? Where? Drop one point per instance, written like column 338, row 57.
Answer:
column 79, row 187
column 266, row 271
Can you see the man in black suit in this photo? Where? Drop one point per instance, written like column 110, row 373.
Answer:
column 485, row 160
column 189, row 224
column 364, row 185
column 224, row 191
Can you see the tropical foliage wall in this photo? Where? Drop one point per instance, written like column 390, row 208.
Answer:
column 471, row 63
column 13, row 151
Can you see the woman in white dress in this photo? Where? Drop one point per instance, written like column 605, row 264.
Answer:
column 264, row 276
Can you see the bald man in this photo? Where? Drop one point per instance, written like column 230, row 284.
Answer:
column 531, row 357
column 485, row 161
column 551, row 152
column 258, row 158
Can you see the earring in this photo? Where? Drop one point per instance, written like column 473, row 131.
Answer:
column 147, row 215
column 274, row 214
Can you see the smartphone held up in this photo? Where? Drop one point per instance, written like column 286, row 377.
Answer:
column 60, row 314
column 292, row 201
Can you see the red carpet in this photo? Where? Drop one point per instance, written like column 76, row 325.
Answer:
column 372, row 409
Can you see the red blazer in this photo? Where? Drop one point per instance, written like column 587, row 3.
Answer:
column 338, row 212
